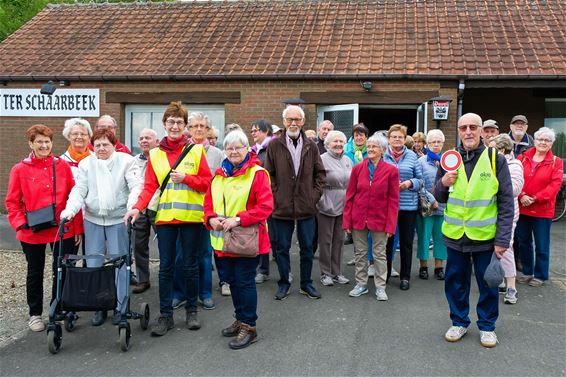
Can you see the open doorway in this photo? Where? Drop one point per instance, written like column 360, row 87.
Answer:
column 377, row 118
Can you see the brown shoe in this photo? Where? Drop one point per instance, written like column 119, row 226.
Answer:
column 232, row 330
column 141, row 287
column 246, row 336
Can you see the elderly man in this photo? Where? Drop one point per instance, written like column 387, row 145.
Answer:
column 147, row 141
column 297, row 179
column 106, row 121
column 489, row 130
column 478, row 221
column 521, row 139
column 323, row 129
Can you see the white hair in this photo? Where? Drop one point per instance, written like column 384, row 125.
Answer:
column 199, row 115
column 109, row 117
column 546, row 131
column 293, row 107
column 70, row 123
column 475, row 117
column 234, row 137
column 435, row 133
column 379, row 139
column 326, row 122
column 333, row 135
column 151, row 131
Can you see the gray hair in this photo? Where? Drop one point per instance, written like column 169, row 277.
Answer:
column 109, row 117
column 504, row 142
column 379, row 139
column 234, row 137
column 151, row 131
column 70, row 123
column 435, row 133
column 475, row 117
column 325, row 122
column 293, row 107
column 333, row 135
column 199, row 115
column 546, row 131
column 232, row 127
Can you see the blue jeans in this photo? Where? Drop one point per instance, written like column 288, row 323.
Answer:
column 284, row 234
column 188, row 235
column 178, row 279
column 204, row 269
column 457, row 289
column 527, row 227
column 240, row 274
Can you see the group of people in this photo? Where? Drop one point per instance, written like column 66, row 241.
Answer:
column 325, row 188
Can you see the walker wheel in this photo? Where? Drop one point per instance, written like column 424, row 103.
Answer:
column 144, row 318
column 125, row 336
column 71, row 322
column 54, row 339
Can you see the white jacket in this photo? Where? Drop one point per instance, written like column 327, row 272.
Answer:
column 126, row 178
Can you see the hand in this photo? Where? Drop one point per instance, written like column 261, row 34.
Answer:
column 499, row 251
column 177, row 176
column 449, row 178
column 389, row 235
column 229, row 223
column 66, row 214
column 349, row 231
column 78, row 239
column 435, row 205
column 134, row 213
column 405, row 185
column 216, row 223
column 527, row 200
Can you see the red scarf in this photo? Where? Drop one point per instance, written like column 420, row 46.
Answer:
column 396, row 155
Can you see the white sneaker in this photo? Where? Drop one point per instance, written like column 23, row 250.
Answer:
column 351, row 262
column 340, row 279
column 358, row 291
column 260, row 278
column 488, row 339
column 371, row 271
column 394, row 273
column 225, row 289
column 36, row 323
column 326, row 280
column 455, row 333
column 380, row 294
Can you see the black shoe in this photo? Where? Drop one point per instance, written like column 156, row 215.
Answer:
column 404, row 285
column 232, row 330
column 282, row 292
column 439, row 273
column 423, row 273
column 348, row 240
column 310, row 291
column 162, row 325
column 116, row 317
column 191, row 320
column 99, row 318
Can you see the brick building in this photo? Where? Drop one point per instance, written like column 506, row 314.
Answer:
column 377, row 62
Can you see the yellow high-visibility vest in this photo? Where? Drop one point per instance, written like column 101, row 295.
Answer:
column 472, row 206
column 178, row 201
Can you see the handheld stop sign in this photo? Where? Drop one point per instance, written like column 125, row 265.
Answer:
column 451, row 161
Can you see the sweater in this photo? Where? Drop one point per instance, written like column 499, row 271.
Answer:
column 338, row 170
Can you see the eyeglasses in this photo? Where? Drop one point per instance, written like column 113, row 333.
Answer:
column 254, row 130
column 198, row 126
column 397, row 137
column 171, row 122
column 235, row 149
column 291, row 120
column 472, row 127
column 435, row 142
column 546, row 141
column 78, row 134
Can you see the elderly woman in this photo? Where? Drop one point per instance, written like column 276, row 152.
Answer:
column 78, row 132
column 38, row 181
column 543, row 176
column 505, row 146
column 419, row 143
column 212, row 136
column 239, row 196
column 431, row 225
column 371, row 206
column 330, row 207
column 108, row 183
column 410, row 173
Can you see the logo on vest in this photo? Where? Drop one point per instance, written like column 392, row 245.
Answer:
column 485, row 176
column 188, row 165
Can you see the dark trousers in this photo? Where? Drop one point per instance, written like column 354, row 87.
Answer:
column 35, row 257
column 535, row 261
column 240, row 274
column 188, row 234
column 406, row 225
column 457, row 289
column 142, row 234
column 263, row 264
column 284, row 234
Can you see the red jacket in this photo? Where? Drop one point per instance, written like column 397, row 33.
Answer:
column 372, row 205
column 258, row 207
column 543, row 183
column 31, row 182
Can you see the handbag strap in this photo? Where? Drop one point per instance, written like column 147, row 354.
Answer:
column 54, row 185
column 185, row 152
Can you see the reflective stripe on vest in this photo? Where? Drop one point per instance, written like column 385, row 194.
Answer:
column 472, row 206
column 178, row 201
column 234, row 193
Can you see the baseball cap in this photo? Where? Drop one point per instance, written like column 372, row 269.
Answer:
column 518, row 118
column 490, row 123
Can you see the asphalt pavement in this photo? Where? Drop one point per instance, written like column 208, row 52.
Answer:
column 334, row 336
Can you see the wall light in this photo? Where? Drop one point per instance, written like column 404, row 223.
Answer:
column 366, row 85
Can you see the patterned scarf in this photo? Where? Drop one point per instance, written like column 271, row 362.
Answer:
column 397, row 155
column 359, row 152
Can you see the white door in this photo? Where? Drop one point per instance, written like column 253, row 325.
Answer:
column 342, row 116
column 422, row 116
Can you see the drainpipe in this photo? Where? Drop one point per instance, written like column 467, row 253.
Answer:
column 461, row 87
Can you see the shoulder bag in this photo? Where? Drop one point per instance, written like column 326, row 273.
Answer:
column 425, row 202
column 240, row 240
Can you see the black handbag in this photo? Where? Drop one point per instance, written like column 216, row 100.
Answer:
column 425, row 204
column 44, row 218
column 89, row 289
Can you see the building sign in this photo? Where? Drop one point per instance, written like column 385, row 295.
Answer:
column 62, row 103
column 440, row 109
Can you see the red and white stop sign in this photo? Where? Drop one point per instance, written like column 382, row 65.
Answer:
column 451, row 160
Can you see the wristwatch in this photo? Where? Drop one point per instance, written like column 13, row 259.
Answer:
column 238, row 220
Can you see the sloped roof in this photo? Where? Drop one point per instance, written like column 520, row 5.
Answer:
column 290, row 39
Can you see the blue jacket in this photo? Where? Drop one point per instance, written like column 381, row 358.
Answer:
column 429, row 176
column 349, row 151
column 409, row 168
